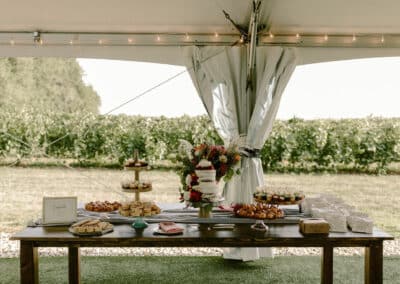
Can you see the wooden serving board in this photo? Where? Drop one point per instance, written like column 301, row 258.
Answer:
column 90, row 234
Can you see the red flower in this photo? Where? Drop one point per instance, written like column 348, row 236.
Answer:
column 223, row 169
column 194, row 180
column 195, row 196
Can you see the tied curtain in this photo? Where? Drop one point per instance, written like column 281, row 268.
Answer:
column 241, row 114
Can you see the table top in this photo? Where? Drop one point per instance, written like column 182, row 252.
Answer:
column 241, row 236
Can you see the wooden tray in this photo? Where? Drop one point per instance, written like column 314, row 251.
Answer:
column 92, row 233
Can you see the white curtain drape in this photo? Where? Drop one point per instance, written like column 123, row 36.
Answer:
column 239, row 114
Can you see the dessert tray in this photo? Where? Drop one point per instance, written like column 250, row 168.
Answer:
column 102, row 206
column 71, row 230
column 91, row 227
column 139, row 209
column 278, row 198
column 259, row 211
column 136, row 186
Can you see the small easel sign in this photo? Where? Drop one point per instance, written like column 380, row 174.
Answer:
column 59, row 210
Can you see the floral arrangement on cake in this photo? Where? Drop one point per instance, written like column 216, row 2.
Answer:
column 204, row 163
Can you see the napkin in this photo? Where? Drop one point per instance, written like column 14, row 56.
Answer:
column 226, row 208
column 170, row 227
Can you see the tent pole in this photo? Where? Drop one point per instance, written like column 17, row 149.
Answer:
column 249, row 99
column 253, row 42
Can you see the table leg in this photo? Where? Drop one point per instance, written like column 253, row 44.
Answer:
column 327, row 265
column 74, row 265
column 29, row 263
column 374, row 263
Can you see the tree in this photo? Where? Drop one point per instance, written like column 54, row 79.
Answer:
column 45, row 84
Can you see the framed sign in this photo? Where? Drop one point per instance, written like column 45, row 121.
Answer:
column 59, row 210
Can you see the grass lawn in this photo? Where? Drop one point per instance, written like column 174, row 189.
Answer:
column 22, row 189
column 294, row 269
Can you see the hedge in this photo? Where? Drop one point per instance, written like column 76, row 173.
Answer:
column 295, row 143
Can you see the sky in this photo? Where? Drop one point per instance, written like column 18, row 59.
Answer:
column 342, row 89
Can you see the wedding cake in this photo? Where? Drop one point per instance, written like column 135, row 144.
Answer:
column 206, row 173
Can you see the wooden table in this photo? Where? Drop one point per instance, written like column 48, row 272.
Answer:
column 286, row 235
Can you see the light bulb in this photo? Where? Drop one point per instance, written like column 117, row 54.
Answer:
column 271, row 35
column 130, row 40
column 382, row 39
column 12, row 42
column 71, row 42
column 216, row 34
column 100, row 41
column 297, row 35
column 326, row 37
column 158, row 38
column 187, row 37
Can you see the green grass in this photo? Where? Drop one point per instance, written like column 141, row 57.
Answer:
column 293, row 269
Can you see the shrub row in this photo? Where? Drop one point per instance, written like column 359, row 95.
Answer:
column 319, row 144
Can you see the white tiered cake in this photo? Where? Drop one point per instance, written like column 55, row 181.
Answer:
column 206, row 173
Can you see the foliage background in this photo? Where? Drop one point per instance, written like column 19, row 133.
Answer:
column 45, row 84
column 296, row 144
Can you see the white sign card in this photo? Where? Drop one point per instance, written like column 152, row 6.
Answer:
column 59, row 210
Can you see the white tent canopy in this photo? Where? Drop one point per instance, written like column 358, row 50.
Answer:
column 144, row 19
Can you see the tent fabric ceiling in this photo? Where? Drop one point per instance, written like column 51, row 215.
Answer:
column 194, row 16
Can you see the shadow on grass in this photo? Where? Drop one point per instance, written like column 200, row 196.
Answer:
column 203, row 270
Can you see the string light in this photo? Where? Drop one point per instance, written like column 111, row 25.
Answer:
column 310, row 40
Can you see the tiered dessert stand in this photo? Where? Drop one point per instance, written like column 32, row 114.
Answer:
column 137, row 186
